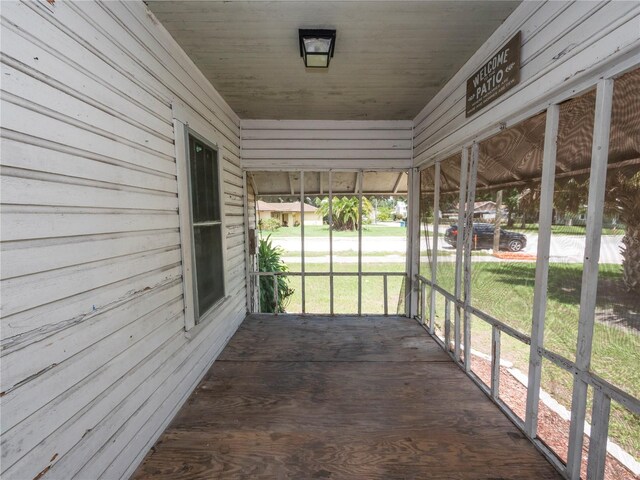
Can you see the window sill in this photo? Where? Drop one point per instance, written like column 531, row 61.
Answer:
column 206, row 318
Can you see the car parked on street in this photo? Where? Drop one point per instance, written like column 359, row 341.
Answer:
column 483, row 237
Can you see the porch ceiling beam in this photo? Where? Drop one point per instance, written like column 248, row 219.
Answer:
column 505, row 169
column 291, row 184
column 384, row 193
column 253, row 184
column 531, row 141
column 397, row 184
column 562, row 166
column 479, row 179
column 569, row 174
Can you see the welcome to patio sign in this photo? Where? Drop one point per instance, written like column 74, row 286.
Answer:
column 494, row 78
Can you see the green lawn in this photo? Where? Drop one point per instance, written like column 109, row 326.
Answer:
column 397, row 231
column 505, row 290
column 345, row 253
column 346, row 289
column 323, row 231
column 563, row 229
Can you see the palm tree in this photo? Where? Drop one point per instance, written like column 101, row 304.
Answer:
column 622, row 200
column 345, row 211
column 529, row 202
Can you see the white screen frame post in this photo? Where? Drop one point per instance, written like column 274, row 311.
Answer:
column 595, row 208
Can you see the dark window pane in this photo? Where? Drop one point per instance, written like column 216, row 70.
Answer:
column 209, row 267
column 193, row 152
column 201, row 185
column 203, row 163
column 206, row 195
column 204, row 182
column 214, row 205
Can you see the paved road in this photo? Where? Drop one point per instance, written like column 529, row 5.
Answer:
column 564, row 248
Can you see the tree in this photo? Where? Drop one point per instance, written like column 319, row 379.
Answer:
column 528, row 203
column 345, row 211
column 622, row 199
column 510, row 200
column 570, row 196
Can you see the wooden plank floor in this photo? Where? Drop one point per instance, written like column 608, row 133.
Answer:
column 339, row 398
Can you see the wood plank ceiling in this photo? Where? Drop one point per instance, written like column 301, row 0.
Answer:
column 391, row 57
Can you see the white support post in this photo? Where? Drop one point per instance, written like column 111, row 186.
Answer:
column 386, row 294
column 447, row 324
column 434, row 247
column 599, row 433
column 495, row 362
column 247, row 256
column 542, row 268
column 423, row 303
column 498, row 223
column 293, row 191
column 275, row 293
column 464, row 169
column 331, row 241
column 413, row 242
column 359, row 187
column 597, row 184
column 302, row 285
column 468, row 226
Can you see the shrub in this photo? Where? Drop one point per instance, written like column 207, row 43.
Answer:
column 269, row 260
column 270, row 224
column 384, row 214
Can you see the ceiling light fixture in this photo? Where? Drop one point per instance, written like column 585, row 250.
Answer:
column 316, row 47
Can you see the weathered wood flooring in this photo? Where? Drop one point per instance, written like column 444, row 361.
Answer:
column 339, row 398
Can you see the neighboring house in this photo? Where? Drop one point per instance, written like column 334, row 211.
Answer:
column 288, row 213
column 483, row 210
column 580, row 219
column 486, row 210
column 401, row 210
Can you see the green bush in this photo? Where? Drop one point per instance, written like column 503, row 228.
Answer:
column 270, row 224
column 269, row 260
column 384, row 214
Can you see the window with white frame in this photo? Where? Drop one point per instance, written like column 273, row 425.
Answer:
column 206, row 225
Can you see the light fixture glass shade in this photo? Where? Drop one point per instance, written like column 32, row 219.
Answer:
column 313, row 60
column 317, row 47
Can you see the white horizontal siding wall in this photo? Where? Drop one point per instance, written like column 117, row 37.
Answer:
column 565, row 46
column 322, row 144
column 95, row 359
